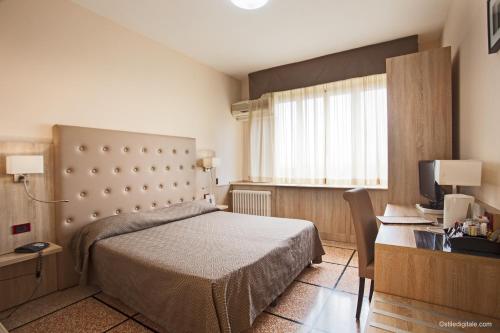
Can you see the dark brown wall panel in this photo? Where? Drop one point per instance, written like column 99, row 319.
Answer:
column 363, row 61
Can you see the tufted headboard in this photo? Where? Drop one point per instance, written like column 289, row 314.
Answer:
column 106, row 172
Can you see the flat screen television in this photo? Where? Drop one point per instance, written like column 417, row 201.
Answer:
column 429, row 188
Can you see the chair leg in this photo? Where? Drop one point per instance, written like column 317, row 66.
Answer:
column 371, row 291
column 360, row 296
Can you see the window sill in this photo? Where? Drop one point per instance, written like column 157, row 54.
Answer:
column 245, row 183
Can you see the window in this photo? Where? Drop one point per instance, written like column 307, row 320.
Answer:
column 331, row 134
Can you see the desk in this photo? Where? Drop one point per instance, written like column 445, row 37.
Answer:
column 455, row 280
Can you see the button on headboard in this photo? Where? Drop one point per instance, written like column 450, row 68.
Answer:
column 106, row 172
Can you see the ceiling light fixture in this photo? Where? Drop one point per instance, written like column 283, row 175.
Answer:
column 249, row 4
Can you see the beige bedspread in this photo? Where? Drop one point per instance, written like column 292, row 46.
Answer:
column 215, row 272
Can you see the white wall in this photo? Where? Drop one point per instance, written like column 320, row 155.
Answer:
column 62, row 64
column 476, row 76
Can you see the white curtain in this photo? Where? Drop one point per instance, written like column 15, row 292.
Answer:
column 299, row 136
column 356, row 136
column 261, row 133
column 333, row 134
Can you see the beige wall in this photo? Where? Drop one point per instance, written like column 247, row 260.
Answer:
column 60, row 63
column 476, row 76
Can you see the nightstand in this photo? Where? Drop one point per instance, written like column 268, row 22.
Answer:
column 14, row 266
column 14, row 258
column 222, row 207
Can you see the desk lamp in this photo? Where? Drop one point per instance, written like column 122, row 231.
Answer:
column 457, row 173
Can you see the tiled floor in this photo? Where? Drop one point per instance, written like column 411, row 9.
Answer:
column 321, row 300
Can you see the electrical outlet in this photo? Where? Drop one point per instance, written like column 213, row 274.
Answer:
column 21, row 228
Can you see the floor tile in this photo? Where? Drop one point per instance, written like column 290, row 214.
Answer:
column 337, row 255
column 354, row 260
column 349, row 282
column 264, row 323
column 268, row 323
column 130, row 326
column 324, row 274
column 351, row 246
column 45, row 305
column 149, row 323
column 339, row 312
column 88, row 315
column 116, row 303
column 301, row 302
column 326, row 310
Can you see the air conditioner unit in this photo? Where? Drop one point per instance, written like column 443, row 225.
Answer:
column 240, row 110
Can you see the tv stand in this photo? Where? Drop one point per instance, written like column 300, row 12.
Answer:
column 426, row 209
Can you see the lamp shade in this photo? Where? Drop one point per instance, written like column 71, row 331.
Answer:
column 211, row 162
column 458, row 172
column 24, row 164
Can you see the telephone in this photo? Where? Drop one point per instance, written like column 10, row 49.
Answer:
column 32, row 247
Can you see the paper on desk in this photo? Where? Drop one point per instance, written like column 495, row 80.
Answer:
column 403, row 220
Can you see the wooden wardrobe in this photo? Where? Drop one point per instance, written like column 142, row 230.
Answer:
column 419, row 118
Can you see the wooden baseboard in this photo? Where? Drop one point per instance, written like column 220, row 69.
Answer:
column 325, row 207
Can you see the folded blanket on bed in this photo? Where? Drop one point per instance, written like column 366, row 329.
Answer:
column 126, row 223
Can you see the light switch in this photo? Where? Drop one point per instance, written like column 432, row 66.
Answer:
column 21, row 228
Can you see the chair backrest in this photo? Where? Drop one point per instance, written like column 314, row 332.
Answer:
column 365, row 226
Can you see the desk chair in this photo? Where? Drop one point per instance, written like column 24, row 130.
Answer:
column 365, row 227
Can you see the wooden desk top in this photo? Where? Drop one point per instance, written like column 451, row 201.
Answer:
column 401, row 210
column 14, row 258
column 401, row 235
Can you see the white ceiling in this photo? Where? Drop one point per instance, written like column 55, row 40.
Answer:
column 237, row 41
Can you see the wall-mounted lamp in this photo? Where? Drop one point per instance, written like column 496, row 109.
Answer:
column 21, row 166
column 208, row 163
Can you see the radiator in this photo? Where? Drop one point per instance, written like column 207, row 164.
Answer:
column 252, row 202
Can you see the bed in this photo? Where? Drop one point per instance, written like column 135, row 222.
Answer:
column 135, row 228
